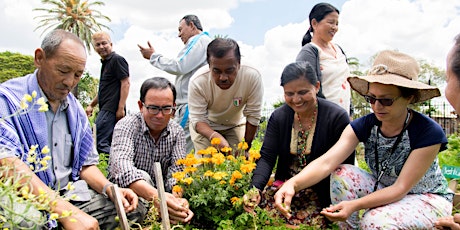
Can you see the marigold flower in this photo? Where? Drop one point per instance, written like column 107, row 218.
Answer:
column 243, row 145
column 219, row 175
column 226, row 149
column 178, row 175
column 231, row 158
column 177, row 189
column 222, row 182
column 218, row 158
column 202, row 152
column 215, row 141
column 208, row 173
column 211, row 150
column 237, row 175
column 205, row 160
column 254, row 155
column 188, row 180
column 190, row 169
column 234, row 200
column 247, row 168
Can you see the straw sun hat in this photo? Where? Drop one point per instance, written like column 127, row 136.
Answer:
column 394, row 68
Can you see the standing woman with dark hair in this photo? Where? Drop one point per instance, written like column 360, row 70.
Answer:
column 451, row 91
column 327, row 58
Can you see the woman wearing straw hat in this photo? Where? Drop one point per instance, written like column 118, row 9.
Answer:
column 405, row 188
column 452, row 89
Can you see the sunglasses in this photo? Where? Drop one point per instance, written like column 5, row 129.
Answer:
column 153, row 109
column 382, row 101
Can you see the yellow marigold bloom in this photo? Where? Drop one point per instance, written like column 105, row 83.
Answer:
column 45, row 150
column 211, row 150
column 177, row 189
column 232, row 181
column 219, row 175
column 27, row 98
column 205, row 160
column 190, row 169
column 215, row 141
column 180, row 162
column 54, row 216
column 188, row 180
column 254, row 155
column 34, row 94
column 234, row 200
column 222, row 182
column 231, row 158
column 218, row 158
column 237, row 175
column 178, row 175
column 243, row 145
column 202, row 152
column 208, row 173
column 226, row 149
column 247, row 168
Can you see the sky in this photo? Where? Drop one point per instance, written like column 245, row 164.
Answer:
column 269, row 32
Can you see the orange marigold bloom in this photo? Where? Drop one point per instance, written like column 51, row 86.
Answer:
column 205, row 160
column 231, row 158
column 243, row 145
column 226, row 149
column 190, row 169
column 254, row 155
column 215, row 141
column 247, row 168
column 218, row 158
column 219, row 175
column 188, row 180
column 208, row 173
column 234, row 200
column 202, row 152
column 211, row 150
column 178, row 175
column 237, row 175
column 177, row 189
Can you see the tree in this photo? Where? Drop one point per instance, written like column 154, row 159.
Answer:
column 78, row 17
column 14, row 65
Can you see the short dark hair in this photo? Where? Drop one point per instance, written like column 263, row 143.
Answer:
column 53, row 40
column 219, row 47
column 318, row 12
column 297, row 70
column 408, row 92
column 192, row 18
column 157, row 83
column 455, row 58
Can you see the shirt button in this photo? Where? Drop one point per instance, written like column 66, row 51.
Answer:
column 55, row 144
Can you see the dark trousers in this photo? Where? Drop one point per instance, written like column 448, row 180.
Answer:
column 105, row 123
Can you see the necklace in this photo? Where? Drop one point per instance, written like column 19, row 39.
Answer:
column 303, row 143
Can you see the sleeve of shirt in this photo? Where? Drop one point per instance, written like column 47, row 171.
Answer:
column 121, row 160
column 93, row 157
column 253, row 108
column 178, row 152
column 362, row 126
column 191, row 59
column 197, row 101
column 122, row 68
column 426, row 132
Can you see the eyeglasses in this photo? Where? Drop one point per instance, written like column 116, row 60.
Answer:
column 383, row 101
column 153, row 109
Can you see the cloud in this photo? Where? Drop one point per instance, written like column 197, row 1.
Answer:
column 416, row 27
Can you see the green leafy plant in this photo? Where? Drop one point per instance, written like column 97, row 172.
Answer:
column 451, row 156
column 18, row 203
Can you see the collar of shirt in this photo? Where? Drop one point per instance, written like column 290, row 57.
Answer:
column 108, row 58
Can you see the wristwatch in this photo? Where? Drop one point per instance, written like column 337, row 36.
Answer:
column 104, row 190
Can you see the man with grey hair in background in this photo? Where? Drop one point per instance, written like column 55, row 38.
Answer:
column 187, row 62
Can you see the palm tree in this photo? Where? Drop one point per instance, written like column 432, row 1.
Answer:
column 74, row 16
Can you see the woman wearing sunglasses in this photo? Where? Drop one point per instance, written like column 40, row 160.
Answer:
column 405, row 188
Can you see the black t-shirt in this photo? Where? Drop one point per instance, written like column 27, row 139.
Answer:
column 113, row 70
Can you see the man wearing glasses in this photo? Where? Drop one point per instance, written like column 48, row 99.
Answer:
column 141, row 139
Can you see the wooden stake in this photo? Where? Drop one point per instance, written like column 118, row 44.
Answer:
column 119, row 206
column 161, row 194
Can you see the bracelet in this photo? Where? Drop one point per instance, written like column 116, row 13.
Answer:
column 210, row 137
column 104, row 190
